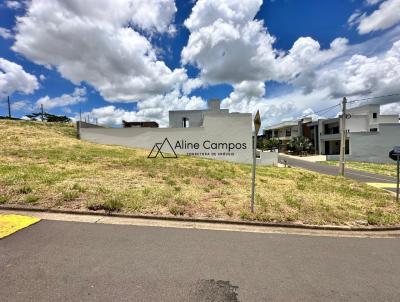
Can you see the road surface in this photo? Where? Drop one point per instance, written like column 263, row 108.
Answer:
column 360, row 176
column 73, row 261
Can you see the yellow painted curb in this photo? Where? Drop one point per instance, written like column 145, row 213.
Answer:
column 381, row 185
column 11, row 223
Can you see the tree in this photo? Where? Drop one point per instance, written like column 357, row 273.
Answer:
column 273, row 143
column 47, row 117
column 261, row 143
column 299, row 144
column 268, row 144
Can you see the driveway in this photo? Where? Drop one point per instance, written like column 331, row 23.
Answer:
column 73, row 261
column 349, row 173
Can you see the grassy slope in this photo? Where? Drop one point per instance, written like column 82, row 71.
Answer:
column 44, row 165
column 383, row 169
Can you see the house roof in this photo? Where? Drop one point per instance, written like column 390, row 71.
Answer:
column 282, row 125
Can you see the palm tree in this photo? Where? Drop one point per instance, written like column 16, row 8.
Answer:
column 299, row 144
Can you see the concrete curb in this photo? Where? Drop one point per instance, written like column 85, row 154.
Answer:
column 204, row 220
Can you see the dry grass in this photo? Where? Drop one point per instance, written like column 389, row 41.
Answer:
column 44, row 165
column 378, row 168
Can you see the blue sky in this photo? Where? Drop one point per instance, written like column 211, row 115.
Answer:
column 276, row 56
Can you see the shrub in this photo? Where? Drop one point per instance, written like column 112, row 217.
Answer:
column 70, row 195
column 4, row 199
column 25, row 190
column 31, row 199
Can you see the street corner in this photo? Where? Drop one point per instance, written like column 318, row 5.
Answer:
column 382, row 185
column 11, row 223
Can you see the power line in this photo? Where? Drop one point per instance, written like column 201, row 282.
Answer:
column 326, row 110
column 374, row 97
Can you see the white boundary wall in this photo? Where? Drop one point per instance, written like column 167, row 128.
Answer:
column 226, row 130
column 373, row 146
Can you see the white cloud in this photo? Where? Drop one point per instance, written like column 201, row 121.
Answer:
column 14, row 4
column 91, row 41
column 5, row 33
column 393, row 108
column 78, row 96
column 22, row 105
column 206, row 12
column 373, row 2
column 386, row 16
column 191, row 84
column 361, row 75
column 248, row 97
column 42, row 77
column 152, row 109
column 229, row 46
column 13, row 78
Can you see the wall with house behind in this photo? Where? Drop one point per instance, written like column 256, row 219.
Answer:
column 225, row 129
column 373, row 146
column 211, row 133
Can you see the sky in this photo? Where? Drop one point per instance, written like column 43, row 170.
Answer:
column 135, row 60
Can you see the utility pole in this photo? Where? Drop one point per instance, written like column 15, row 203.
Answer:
column 257, row 125
column 9, row 106
column 343, row 138
column 42, row 112
column 398, row 179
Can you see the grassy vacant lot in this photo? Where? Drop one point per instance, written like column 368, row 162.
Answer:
column 384, row 169
column 44, row 165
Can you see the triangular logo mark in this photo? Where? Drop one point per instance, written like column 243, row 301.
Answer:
column 165, row 149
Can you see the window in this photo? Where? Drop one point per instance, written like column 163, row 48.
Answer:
column 288, row 131
column 373, row 130
column 374, row 115
column 185, row 122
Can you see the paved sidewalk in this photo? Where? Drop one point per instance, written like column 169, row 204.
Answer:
column 74, row 261
column 204, row 225
column 349, row 173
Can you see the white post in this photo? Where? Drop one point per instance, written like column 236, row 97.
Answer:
column 253, row 178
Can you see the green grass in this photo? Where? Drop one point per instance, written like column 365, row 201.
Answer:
column 377, row 168
column 45, row 165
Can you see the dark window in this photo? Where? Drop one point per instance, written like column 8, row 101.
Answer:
column 289, row 132
column 185, row 122
column 373, row 130
column 374, row 115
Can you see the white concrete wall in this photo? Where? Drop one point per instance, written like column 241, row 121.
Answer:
column 232, row 128
column 388, row 119
column 267, row 158
column 374, row 146
column 357, row 124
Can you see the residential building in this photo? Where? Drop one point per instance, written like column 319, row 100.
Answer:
column 195, row 118
column 370, row 135
column 288, row 130
column 284, row 131
column 148, row 124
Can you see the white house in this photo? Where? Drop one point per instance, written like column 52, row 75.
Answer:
column 195, row 118
column 370, row 135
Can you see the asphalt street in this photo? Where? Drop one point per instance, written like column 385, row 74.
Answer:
column 332, row 170
column 72, row 261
